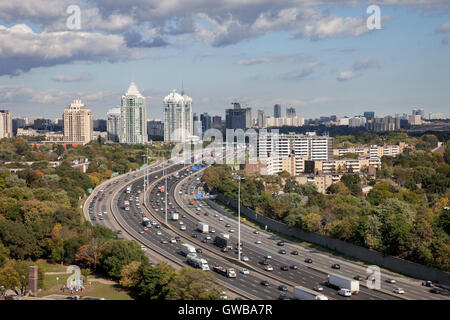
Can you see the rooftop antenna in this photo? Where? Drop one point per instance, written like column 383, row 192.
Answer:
column 182, row 88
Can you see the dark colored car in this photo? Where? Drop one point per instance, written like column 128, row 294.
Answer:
column 265, row 283
column 435, row 291
column 199, row 250
column 194, row 235
column 427, row 283
column 265, row 262
column 283, row 296
column 282, row 252
column 308, row 260
column 295, row 253
column 284, row 268
column 282, row 287
column 359, row 278
column 280, row 243
column 294, row 267
column 335, row 266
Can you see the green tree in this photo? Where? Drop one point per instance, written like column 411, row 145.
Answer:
column 119, row 253
column 154, row 281
column 193, row 284
column 4, row 255
column 18, row 240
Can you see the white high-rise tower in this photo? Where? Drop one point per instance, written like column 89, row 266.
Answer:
column 78, row 123
column 133, row 117
column 178, row 119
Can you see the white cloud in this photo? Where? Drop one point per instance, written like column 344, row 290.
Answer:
column 270, row 59
column 444, row 28
column 21, row 49
column 346, row 75
column 305, row 72
column 71, row 78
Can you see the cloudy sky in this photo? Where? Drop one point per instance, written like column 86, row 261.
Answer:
column 315, row 55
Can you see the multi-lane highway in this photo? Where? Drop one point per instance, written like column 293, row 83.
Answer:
column 162, row 241
column 322, row 261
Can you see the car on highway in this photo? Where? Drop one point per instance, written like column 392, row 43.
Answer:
column 280, row 243
column 181, row 222
column 282, row 252
column 220, row 219
column 265, row 283
column 198, row 213
column 199, row 250
column 267, row 257
column 399, row 291
column 227, row 225
column 359, row 278
column 94, row 218
column 390, row 280
column 436, row 291
column 158, row 233
column 427, row 283
column 157, row 226
column 99, row 214
column 231, row 231
column 194, row 235
column 265, row 262
column 283, row 296
column 145, row 229
column 101, row 218
column 294, row 253
column 284, row 268
column 308, row 260
column 164, row 241
column 244, row 271
column 183, row 228
column 212, row 230
column 258, row 241
column 294, row 267
column 215, row 216
column 345, row 293
column 173, row 240
column 336, row 266
column 268, row 267
column 256, row 232
column 282, row 287
column 245, row 258
column 141, row 232
column 318, row 288
column 144, row 248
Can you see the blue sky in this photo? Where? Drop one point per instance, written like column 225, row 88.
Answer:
column 314, row 55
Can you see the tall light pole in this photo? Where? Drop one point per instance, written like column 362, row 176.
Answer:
column 165, row 185
column 239, row 178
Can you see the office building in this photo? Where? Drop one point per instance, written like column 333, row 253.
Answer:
column 78, row 123
column 6, row 129
column 284, row 121
column 18, row 123
column 238, row 118
column 290, row 112
column 198, row 131
column 261, row 121
column 369, row 115
column 357, row 121
column 100, row 125
column 133, row 117
column 42, row 124
column 178, row 117
column 388, row 123
column 277, row 111
column 113, row 124
column 155, row 128
column 205, row 118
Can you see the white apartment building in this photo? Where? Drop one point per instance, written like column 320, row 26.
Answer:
column 133, row 117
column 178, row 119
column 5, row 124
column 78, row 123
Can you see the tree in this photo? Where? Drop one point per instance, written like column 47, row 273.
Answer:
column 18, row 240
column 89, row 255
column 311, row 222
column 379, row 193
column 4, row 255
column 9, row 278
column 154, row 281
column 193, row 284
column 339, row 188
column 119, row 253
column 129, row 277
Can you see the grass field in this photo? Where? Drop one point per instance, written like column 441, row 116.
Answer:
column 94, row 286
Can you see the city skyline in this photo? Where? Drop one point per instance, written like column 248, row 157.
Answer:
column 316, row 56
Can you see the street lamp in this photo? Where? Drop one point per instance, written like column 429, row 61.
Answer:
column 239, row 178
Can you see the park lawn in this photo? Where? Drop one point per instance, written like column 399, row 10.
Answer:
column 92, row 288
column 49, row 267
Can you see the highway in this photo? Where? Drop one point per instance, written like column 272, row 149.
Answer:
column 181, row 189
column 322, row 261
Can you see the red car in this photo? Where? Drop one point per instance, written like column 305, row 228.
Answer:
column 144, row 215
column 198, row 213
column 153, row 207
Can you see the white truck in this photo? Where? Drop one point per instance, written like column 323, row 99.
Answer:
column 174, row 216
column 301, row 293
column 129, row 189
column 202, row 227
column 197, row 262
column 187, row 249
column 342, row 282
